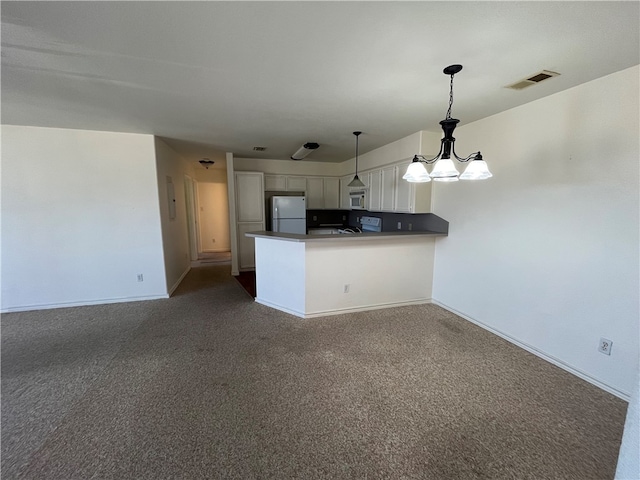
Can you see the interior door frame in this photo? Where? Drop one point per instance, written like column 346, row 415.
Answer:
column 191, row 202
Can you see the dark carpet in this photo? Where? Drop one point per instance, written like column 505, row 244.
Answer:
column 210, row 384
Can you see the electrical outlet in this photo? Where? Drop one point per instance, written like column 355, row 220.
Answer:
column 410, row 226
column 399, row 225
column 315, row 218
column 140, row 278
column 605, row 346
column 346, row 287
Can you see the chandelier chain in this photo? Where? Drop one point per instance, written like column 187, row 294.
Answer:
column 448, row 117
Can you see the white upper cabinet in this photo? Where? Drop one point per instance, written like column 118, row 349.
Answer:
column 345, row 201
column 388, row 189
column 375, row 190
column 315, row 192
column 331, row 191
column 250, row 196
column 285, row 183
column 275, row 183
column 321, row 192
column 403, row 201
column 297, row 184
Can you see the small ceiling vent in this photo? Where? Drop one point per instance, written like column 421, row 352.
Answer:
column 533, row 79
column 259, row 149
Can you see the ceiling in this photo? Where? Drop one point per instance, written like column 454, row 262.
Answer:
column 215, row 77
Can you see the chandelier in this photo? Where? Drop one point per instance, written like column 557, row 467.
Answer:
column 444, row 169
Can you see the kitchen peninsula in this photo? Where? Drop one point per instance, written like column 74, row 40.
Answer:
column 317, row 275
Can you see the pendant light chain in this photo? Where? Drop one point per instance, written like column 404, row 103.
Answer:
column 448, row 117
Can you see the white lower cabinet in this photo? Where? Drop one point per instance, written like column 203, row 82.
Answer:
column 246, row 245
column 249, row 214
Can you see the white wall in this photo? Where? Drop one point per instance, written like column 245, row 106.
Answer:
column 175, row 232
column 307, row 279
column 546, row 252
column 405, row 148
column 380, row 273
column 280, row 275
column 213, row 210
column 80, row 218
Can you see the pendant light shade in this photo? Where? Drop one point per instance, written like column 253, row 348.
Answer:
column 444, row 169
column 356, row 182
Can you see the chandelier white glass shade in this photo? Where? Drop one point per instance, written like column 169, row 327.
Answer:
column 445, row 169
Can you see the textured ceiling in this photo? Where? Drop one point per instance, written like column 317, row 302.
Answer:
column 212, row 77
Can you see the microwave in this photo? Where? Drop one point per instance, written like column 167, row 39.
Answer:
column 357, row 200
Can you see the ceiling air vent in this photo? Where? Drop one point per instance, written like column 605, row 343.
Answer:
column 259, row 149
column 533, row 79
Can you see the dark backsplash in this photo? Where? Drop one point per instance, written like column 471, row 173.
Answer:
column 327, row 218
column 416, row 222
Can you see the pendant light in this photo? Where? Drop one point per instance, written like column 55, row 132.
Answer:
column 356, row 182
column 444, row 169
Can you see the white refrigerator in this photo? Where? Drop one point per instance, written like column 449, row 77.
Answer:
column 289, row 214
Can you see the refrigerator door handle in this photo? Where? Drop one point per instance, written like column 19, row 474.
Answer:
column 275, row 219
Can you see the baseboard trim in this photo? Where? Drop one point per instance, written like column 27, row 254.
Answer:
column 539, row 353
column 175, row 285
column 279, row 307
column 341, row 311
column 104, row 301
